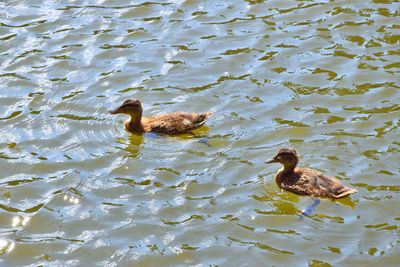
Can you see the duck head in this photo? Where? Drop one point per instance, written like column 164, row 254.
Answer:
column 286, row 156
column 130, row 107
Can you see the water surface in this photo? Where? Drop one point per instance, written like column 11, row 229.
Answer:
column 78, row 190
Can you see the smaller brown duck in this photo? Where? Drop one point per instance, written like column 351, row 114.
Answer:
column 170, row 123
column 304, row 181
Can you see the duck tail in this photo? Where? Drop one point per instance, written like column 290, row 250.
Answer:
column 207, row 115
column 203, row 117
column 347, row 191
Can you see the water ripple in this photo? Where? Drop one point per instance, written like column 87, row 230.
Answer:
column 77, row 189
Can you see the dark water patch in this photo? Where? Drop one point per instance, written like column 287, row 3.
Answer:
column 119, row 46
column 34, row 23
column 15, row 75
column 12, row 115
column 261, row 246
column 192, row 217
column 290, row 123
column 149, row 3
column 133, row 182
column 20, row 181
column 391, row 188
column 382, row 226
column 8, row 37
column 113, row 204
column 28, row 210
column 3, row 155
column 76, row 117
column 64, row 79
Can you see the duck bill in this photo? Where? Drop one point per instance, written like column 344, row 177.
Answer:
column 271, row 161
column 115, row 111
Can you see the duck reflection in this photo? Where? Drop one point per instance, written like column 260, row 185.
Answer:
column 134, row 144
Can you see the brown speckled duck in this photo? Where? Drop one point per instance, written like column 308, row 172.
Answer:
column 304, row 181
column 170, row 123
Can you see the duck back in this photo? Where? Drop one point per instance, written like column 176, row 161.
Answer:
column 175, row 123
column 304, row 181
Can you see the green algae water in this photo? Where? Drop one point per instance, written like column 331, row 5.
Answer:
column 77, row 190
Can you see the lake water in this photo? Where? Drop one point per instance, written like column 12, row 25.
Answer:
column 78, row 190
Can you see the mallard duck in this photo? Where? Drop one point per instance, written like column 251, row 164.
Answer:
column 170, row 123
column 305, row 181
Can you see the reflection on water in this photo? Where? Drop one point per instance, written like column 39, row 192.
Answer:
column 6, row 246
column 71, row 199
column 132, row 144
column 77, row 189
column 20, row 221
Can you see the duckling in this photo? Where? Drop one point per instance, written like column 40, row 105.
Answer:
column 304, row 181
column 170, row 123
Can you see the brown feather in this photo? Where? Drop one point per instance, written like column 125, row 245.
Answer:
column 304, row 181
column 175, row 123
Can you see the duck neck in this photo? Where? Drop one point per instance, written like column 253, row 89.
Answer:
column 134, row 124
column 289, row 167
